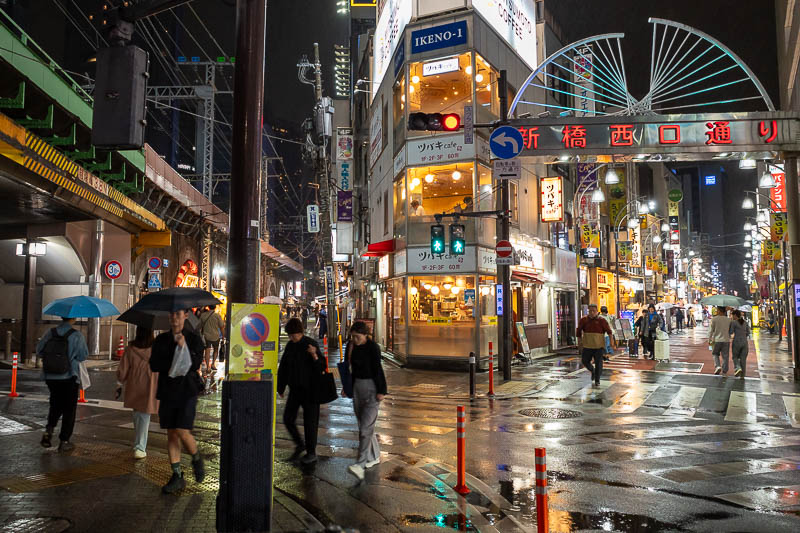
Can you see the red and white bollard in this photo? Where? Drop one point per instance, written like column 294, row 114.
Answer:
column 81, row 397
column 13, row 393
column 461, row 442
column 325, row 349
column 120, row 347
column 491, row 371
column 542, row 524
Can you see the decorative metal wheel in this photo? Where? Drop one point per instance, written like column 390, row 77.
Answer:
column 690, row 71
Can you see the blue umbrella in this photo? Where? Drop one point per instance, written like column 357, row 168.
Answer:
column 80, row 307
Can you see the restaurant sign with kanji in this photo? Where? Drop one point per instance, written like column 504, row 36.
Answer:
column 651, row 134
column 551, row 205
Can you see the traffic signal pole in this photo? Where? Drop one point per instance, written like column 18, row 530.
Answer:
column 504, row 232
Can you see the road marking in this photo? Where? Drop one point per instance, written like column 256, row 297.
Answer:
column 742, row 407
column 687, row 401
column 702, row 472
column 792, row 404
column 635, row 398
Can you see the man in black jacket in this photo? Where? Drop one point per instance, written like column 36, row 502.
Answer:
column 300, row 365
column 178, row 397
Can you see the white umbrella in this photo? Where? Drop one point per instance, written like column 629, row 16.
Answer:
column 273, row 300
column 746, row 309
column 664, row 306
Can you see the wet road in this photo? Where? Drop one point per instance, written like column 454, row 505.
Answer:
column 647, row 450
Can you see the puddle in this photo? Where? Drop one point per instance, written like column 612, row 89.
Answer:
column 456, row 521
column 607, row 521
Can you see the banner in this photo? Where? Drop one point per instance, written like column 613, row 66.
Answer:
column 778, row 223
column 587, row 181
column 648, row 263
column 344, row 144
column 254, row 340
column 778, row 193
column 771, row 250
column 551, row 206
column 625, row 251
column 344, row 206
column 617, row 196
column 674, row 209
column 636, row 245
column 590, row 236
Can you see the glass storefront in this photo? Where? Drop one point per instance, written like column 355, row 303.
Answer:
column 440, row 189
column 565, row 318
column 442, row 316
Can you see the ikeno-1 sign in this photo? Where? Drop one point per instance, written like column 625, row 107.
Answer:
column 732, row 132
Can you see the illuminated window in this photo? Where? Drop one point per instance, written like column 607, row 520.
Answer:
column 399, row 97
column 441, row 85
column 487, row 96
column 440, row 189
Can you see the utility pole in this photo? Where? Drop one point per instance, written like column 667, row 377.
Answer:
column 322, row 123
column 504, row 232
column 793, row 214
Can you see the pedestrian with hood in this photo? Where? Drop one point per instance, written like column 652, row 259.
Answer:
column 140, row 385
column 62, row 349
column 177, row 355
column 369, row 389
column 591, row 332
column 299, row 368
column 740, row 330
column 719, row 336
column 652, row 322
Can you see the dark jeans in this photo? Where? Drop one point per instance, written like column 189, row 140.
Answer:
column 649, row 344
column 680, row 323
column 310, row 421
column 63, row 402
column 597, row 355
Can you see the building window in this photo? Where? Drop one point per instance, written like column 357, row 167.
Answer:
column 400, row 208
column 513, row 202
column 441, row 85
column 485, row 189
column 399, row 113
column 486, row 94
column 441, row 315
column 440, row 189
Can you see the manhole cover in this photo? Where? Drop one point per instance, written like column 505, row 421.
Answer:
column 37, row 525
column 550, row 413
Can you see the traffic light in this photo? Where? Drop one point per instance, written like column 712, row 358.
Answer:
column 437, row 239
column 434, row 121
column 457, row 239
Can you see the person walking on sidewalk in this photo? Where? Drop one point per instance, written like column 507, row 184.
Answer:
column 62, row 348
column 591, row 339
column 300, row 363
column 739, row 347
column 177, row 391
column 652, row 322
column 211, row 327
column 322, row 323
column 605, row 316
column 140, row 387
column 690, row 322
column 679, row 316
column 369, row 389
column 720, row 337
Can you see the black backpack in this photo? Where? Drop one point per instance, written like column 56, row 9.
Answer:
column 55, row 355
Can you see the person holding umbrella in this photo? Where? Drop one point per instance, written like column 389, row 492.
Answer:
column 178, row 388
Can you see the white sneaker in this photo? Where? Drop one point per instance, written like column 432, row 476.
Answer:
column 370, row 464
column 357, row 470
column 139, row 454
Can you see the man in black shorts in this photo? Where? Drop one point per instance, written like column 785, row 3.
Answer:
column 178, row 397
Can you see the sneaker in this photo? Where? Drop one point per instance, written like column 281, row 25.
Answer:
column 370, row 464
column 139, row 454
column 298, row 451
column 175, row 483
column 66, row 446
column 596, row 383
column 356, row 470
column 309, row 458
column 718, row 370
column 738, row 372
column 47, row 440
column 199, row 469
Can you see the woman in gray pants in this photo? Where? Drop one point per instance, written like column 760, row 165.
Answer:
column 369, row 389
column 741, row 332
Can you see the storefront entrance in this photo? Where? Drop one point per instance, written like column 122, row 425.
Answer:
column 565, row 319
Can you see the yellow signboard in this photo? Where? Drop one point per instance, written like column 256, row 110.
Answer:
column 648, row 262
column 772, row 250
column 440, row 320
column 255, row 329
column 617, row 196
column 674, row 209
column 625, row 251
column 779, row 226
column 590, row 236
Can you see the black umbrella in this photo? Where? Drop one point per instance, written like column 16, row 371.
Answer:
column 154, row 319
column 176, row 299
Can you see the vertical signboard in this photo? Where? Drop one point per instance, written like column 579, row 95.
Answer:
column 778, row 193
column 344, row 144
column 617, row 196
column 583, row 77
column 551, row 206
column 312, row 218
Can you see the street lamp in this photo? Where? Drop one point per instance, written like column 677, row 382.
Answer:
column 747, row 226
column 598, row 196
column 612, row 178
column 657, row 238
column 665, row 227
column 767, row 181
column 748, row 203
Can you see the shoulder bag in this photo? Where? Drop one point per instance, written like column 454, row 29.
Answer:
column 325, row 390
column 345, row 375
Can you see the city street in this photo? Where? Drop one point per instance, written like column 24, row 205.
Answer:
column 647, row 450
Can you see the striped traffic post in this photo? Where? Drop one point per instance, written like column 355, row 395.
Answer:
column 461, row 486
column 325, row 349
column 491, row 371
column 14, row 376
column 81, row 396
column 542, row 525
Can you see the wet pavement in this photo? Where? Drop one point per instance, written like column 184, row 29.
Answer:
column 648, row 450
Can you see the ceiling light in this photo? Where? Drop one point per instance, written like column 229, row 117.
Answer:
column 414, row 79
column 415, row 183
column 657, row 239
column 435, row 290
column 598, row 196
column 664, row 227
column 468, row 70
column 456, row 175
column 746, row 164
column 747, row 203
column 747, row 226
column 767, row 181
column 479, row 78
column 429, row 178
column 611, row 176
column 652, row 205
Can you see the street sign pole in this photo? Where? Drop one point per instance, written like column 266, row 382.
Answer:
column 111, row 324
column 504, row 271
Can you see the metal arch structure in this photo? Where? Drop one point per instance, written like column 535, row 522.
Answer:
column 689, row 70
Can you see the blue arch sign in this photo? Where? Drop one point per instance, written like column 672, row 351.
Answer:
column 506, row 142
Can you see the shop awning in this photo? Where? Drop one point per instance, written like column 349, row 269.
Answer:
column 379, row 249
column 526, row 277
column 279, row 257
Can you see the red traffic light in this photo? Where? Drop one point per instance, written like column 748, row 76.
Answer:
column 434, row 121
column 451, row 122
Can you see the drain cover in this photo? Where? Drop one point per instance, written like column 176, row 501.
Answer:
column 37, row 525
column 550, row 413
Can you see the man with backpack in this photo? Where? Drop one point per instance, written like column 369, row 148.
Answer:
column 61, row 350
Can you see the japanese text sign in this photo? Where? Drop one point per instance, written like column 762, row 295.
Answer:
column 779, row 226
column 551, row 205
column 778, row 193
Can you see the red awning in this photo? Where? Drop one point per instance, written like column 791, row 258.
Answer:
column 526, row 277
column 379, row 249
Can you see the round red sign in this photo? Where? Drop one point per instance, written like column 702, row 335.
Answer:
column 503, row 249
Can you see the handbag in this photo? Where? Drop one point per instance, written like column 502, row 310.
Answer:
column 85, row 382
column 345, row 375
column 325, row 390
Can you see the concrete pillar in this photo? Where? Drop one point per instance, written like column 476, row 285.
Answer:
column 28, row 312
column 96, row 285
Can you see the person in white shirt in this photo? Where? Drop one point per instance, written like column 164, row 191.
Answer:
column 720, row 338
column 416, row 209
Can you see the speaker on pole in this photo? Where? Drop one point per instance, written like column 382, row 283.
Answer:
column 244, row 502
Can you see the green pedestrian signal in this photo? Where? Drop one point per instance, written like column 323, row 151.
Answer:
column 437, row 239
column 457, row 245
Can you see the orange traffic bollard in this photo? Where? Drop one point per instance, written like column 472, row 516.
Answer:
column 461, row 486
column 120, row 347
column 81, row 397
column 13, row 393
column 491, row 371
column 542, row 525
